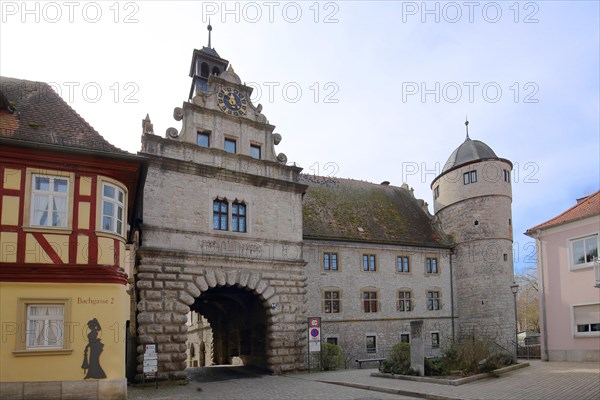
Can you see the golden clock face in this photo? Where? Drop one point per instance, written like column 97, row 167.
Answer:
column 232, row 102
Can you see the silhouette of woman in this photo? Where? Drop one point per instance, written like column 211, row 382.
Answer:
column 91, row 365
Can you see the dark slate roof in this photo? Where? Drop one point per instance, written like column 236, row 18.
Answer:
column 586, row 207
column 210, row 51
column 470, row 150
column 38, row 115
column 336, row 209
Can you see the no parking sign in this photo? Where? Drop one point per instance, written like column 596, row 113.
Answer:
column 314, row 334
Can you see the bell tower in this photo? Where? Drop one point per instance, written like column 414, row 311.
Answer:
column 222, row 231
column 205, row 62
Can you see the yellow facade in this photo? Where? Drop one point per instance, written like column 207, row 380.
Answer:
column 105, row 302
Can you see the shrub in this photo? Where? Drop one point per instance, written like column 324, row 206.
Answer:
column 467, row 355
column 436, row 366
column 495, row 361
column 333, row 356
column 398, row 361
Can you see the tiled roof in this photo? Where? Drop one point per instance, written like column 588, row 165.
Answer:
column 586, row 207
column 350, row 210
column 38, row 115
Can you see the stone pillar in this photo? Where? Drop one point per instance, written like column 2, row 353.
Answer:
column 417, row 347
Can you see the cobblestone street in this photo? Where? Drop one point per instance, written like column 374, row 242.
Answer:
column 539, row 381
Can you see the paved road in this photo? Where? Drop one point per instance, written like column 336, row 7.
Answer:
column 232, row 383
column 539, row 381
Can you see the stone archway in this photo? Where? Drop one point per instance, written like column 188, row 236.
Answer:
column 167, row 294
column 239, row 322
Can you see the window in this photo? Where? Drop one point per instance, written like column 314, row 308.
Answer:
column 587, row 319
column 45, row 322
column 404, row 300
column 436, row 192
column 403, row 264
column 370, row 301
column 470, row 177
column 238, row 217
column 405, row 338
column 506, row 176
column 332, row 340
column 330, row 261
column 230, row 146
column 113, row 209
column 45, row 326
column 50, row 201
column 584, row 250
column 435, row 340
column 255, row 151
column 332, row 301
column 433, row 300
column 431, row 265
column 220, row 215
column 203, row 139
column 369, row 262
column 371, row 344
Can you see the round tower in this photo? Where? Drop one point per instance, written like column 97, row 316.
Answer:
column 472, row 203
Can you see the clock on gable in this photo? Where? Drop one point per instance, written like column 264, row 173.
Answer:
column 232, row 102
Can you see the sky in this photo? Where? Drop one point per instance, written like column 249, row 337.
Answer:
column 366, row 90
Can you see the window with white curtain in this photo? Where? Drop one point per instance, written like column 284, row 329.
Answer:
column 113, row 209
column 50, row 200
column 45, row 326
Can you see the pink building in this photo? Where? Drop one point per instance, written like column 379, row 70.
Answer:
column 567, row 249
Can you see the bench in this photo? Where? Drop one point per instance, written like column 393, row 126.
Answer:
column 360, row 362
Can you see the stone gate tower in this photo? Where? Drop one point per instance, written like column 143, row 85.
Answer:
column 222, row 231
column 472, row 202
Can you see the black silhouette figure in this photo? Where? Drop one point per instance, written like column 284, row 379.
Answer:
column 91, row 364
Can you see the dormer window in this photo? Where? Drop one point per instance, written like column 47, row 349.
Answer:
column 230, row 146
column 255, row 151
column 203, row 139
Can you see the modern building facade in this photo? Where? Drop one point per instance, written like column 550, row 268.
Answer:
column 68, row 200
column 567, row 249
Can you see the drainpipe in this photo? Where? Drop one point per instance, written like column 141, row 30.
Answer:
column 536, row 236
column 451, row 295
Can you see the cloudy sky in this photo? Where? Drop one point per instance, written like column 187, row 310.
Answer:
column 365, row 90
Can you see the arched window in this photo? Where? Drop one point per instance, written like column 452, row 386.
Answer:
column 204, row 70
column 216, row 71
column 220, row 214
column 238, row 216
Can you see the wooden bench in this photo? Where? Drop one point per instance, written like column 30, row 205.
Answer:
column 360, row 362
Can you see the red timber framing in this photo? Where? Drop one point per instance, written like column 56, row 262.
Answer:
column 126, row 170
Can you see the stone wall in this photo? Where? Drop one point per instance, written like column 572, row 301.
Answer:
column 351, row 325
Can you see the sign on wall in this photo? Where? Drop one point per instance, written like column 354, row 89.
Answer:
column 150, row 360
column 314, row 334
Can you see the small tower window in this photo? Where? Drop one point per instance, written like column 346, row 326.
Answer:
column 476, row 223
column 216, row 71
column 436, row 192
column 204, row 70
column 255, row 151
column 230, row 146
column 506, row 176
column 470, row 177
column 203, row 139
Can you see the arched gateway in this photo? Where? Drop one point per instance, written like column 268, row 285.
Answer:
column 222, row 232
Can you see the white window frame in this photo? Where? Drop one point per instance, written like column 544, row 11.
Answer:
column 50, row 195
column 574, row 326
column 48, row 323
column 116, row 206
column 570, row 252
column 23, row 347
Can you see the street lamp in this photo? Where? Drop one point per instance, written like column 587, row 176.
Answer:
column 514, row 289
